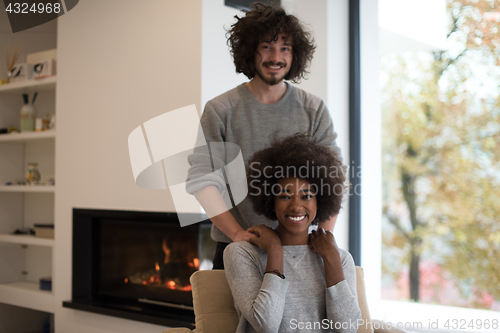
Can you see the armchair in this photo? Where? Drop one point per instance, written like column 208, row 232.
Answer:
column 214, row 306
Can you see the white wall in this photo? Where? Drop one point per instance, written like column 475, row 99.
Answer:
column 120, row 64
column 218, row 74
column 329, row 73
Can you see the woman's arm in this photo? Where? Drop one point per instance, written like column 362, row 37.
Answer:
column 340, row 275
column 260, row 300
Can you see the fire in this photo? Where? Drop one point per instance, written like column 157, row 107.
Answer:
column 186, row 288
column 164, row 275
column 166, row 250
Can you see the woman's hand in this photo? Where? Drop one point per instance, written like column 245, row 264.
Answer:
column 267, row 239
column 323, row 243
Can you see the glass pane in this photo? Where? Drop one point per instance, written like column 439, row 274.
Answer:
column 440, row 95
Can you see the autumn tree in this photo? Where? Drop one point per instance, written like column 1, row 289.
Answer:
column 441, row 146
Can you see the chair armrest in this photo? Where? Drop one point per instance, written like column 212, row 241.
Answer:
column 178, row 330
column 383, row 327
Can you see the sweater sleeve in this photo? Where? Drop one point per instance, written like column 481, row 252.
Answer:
column 202, row 165
column 342, row 299
column 260, row 300
column 324, row 131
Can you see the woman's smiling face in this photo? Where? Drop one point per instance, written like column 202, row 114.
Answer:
column 295, row 205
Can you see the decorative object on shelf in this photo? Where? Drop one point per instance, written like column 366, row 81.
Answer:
column 44, row 230
column 44, row 69
column 12, row 129
column 28, row 114
column 41, row 124
column 52, row 122
column 11, row 59
column 44, row 63
column 24, row 231
column 21, row 72
column 46, row 283
column 38, row 124
column 33, row 175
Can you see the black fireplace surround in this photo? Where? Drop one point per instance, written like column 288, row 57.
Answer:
column 136, row 265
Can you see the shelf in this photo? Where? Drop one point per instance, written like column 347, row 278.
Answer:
column 27, row 295
column 31, row 189
column 26, row 240
column 27, row 136
column 47, row 84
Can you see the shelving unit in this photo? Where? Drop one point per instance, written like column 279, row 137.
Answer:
column 40, row 85
column 26, row 258
column 28, row 189
column 27, row 136
column 26, row 240
column 27, row 295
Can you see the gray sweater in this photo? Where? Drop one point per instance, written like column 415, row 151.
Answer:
column 238, row 117
column 300, row 302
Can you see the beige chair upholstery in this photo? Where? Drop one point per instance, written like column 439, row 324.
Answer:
column 214, row 306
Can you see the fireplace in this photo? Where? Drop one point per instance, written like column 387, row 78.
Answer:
column 136, row 265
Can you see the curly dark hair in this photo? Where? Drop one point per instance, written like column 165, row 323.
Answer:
column 265, row 23
column 291, row 157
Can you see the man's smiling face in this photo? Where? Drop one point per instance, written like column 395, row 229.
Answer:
column 273, row 60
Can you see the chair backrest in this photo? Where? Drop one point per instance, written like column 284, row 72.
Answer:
column 366, row 326
column 214, row 306
column 213, row 303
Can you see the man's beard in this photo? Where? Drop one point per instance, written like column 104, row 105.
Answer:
column 274, row 78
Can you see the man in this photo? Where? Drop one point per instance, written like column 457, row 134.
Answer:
column 269, row 47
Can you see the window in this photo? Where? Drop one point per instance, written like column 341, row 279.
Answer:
column 440, row 105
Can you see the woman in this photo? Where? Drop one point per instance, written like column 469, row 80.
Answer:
column 287, row 280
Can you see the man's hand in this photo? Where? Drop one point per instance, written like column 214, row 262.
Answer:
column 267, row 239
column 243, row 235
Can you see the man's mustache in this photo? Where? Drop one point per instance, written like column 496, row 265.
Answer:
column 270, row 63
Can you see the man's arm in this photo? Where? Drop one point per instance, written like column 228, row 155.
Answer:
column 211, row 200
column 203, row 183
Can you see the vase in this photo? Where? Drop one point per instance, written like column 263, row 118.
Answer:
column 32, row 175
column 28, row 117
